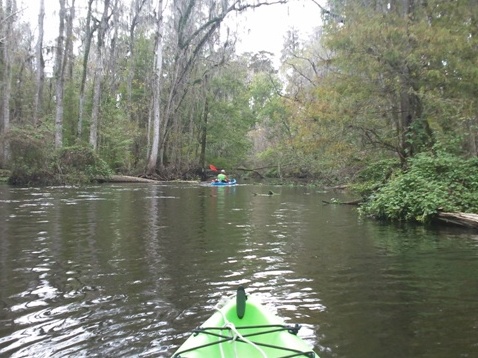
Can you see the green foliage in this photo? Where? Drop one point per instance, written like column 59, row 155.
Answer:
column 385, row 81
column 70, row 113
column 443, row 182
column 374, row 175
column 4, row 175
column 117, row 136
column 31, row 155
column 80, row 164
column 35, row 161
column 382, row 83
column 230, row 117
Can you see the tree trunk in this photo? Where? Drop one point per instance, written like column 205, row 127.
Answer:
column 60, row 79
column 96, row 100
column 158, row 67
column 88, row 36
column 40, row 70
column 410, row 105
column 111, row 61
column 6, row 34
column 68, row 55
column 98, row 76
column 136, row 10
column 205, row 115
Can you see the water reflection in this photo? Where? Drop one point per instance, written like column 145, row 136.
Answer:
column 129, row 270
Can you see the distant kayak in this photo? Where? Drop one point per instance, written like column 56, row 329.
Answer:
column 221, row 183
column 244, row 328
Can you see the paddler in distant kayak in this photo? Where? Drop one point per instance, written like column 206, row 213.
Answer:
column 222, row 177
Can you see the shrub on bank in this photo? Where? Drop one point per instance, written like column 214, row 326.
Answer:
column 34, row 161
column 442, row 182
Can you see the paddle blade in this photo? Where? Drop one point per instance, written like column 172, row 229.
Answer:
column 213, row 168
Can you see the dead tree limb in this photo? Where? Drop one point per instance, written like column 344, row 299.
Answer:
column 468, row 220
column 353, row 202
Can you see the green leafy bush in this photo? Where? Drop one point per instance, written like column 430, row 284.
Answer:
column 31, row 151
column 432, row 183
column 35, row 161
column 80, row 164
column 374, row 176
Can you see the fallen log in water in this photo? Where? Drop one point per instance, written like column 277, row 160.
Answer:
column 125, row 179
column 132, row 179
column 269, row 193
column 462, row 219
column 353, row 202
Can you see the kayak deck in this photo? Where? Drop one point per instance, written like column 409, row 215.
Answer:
column 243, row 328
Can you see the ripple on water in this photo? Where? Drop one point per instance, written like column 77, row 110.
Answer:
column 103, row 324
column 123, row 271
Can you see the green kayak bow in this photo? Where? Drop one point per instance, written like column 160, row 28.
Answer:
column 244, row 328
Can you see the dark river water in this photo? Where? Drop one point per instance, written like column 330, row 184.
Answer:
column 129, row 270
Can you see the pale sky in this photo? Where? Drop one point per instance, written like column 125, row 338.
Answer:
column 266, row 26
column 264, row 29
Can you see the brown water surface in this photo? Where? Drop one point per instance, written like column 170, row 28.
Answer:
column 129, row 270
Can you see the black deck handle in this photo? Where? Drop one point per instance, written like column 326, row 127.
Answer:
column 241, row 299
